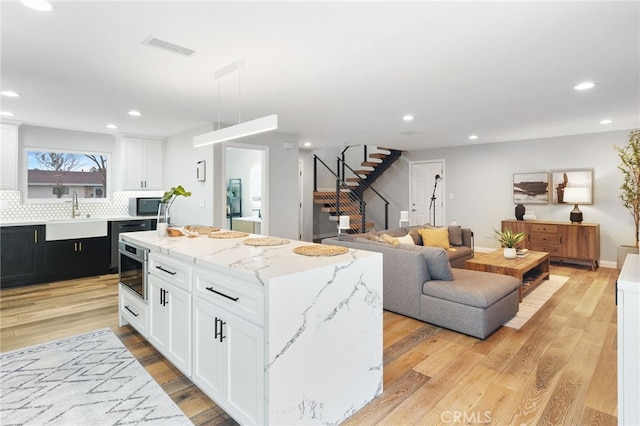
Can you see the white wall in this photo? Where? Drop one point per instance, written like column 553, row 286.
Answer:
column 480, row 179
column 180, row 169
column 282, row 163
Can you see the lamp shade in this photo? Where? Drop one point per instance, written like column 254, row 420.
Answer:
column 344, row 222
column 577, row 195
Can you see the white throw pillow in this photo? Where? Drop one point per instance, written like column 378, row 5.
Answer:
column 407, row 239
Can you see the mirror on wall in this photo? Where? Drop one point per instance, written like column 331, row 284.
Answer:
column 54, row 176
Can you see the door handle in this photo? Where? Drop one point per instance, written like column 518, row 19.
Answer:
column 219, row 329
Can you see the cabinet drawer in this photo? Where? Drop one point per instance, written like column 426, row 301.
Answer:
column 231, row 294
column 552, row 249
column 543, row 228
column 133, row 310
column 171, row 271
column 545, row 239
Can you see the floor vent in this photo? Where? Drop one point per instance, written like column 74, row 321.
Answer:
column 169, row 47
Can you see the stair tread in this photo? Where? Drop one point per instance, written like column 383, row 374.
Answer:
column 363, row 172
column 369, row 163
column 378, row 155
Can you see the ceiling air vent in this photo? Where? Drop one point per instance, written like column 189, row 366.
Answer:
column 169, row 47
column 409, row 133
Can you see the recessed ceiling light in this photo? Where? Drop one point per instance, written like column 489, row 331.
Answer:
column 111, row 126
column 408, row 117
column 10, row 94
column 307, row 144
column 473, row 137
column 584, row 86
column 7, row 114
column 41, row 5
column 135, row 113
column 606, row 121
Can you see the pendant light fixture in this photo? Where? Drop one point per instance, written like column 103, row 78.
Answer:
column 240, row 130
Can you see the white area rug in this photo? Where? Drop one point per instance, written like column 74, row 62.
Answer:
column 534, row 300
column 90, row 379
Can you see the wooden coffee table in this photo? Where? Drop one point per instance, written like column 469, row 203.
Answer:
column 531, row 269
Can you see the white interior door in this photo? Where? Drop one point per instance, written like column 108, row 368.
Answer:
column 422, row 189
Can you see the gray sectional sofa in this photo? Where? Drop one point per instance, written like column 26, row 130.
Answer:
column 420, row 283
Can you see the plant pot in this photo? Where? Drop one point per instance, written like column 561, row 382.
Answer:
column 623, row 251
column 510, row 252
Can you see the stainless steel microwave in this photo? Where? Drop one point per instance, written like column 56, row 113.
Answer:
column 144, row 206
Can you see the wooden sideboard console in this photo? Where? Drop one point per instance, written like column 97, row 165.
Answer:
column 562, row 240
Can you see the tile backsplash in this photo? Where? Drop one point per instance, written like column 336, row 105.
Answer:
column 13, row 210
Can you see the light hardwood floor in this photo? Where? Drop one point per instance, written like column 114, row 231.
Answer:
column 559, row 369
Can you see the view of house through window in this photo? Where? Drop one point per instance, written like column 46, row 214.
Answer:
column 57, row 175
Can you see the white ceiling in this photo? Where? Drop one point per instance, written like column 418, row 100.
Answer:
column 334, row 72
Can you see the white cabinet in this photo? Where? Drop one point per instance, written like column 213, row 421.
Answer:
column 9, row 157
column 629, row 341
column 142, row 164
column 170, row 322
column 228, row 361
column 133, row 311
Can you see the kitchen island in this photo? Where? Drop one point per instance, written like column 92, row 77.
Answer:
column 273, row 337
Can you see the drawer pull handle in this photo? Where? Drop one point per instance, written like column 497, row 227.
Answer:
column 166, row 270
column 133, row 313
column 235, row 299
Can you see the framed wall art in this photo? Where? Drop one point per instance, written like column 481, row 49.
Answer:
column 561, row 179
column 531, row 188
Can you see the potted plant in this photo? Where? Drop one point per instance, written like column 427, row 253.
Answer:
column 630, row 188
column 508, row 239
column 164, row 215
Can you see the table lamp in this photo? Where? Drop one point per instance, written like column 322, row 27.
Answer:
column 575, row 196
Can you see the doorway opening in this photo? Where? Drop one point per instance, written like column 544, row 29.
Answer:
column 246, row 193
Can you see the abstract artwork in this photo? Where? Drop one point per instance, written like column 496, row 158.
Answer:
column 531, row 188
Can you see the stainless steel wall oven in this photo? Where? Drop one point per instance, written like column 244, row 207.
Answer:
column 133, row 267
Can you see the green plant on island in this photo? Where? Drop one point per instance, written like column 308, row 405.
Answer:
column 630, row 168
column 508, row 238
column 171, row 195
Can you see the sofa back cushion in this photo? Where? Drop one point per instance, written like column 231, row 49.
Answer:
column 455, row 235
column 436, row 260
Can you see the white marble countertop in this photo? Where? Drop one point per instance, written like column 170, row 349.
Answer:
column 257, row 264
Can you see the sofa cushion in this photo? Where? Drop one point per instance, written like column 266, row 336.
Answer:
column 436, row 259
column 473, row 288
column 435, row 237
column 415, row 235
column 455, row 235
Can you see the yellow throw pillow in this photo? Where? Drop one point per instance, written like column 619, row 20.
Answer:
column 435, row 237
column 389, row 239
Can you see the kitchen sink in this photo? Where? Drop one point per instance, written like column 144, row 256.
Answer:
column 68, row 229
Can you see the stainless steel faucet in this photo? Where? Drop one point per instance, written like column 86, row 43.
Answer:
column 75, row 207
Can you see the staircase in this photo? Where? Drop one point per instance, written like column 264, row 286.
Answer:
column 341, row 191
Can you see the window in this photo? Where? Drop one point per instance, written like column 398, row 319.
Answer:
column 54, row 176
